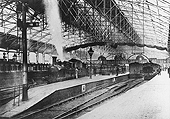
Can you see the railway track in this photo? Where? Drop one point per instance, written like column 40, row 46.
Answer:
column 80, row 103
column 74, row 112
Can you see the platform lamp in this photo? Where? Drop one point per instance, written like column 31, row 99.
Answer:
column 90, row 54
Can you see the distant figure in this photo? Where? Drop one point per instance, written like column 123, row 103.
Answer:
column 76, row 70
column 169, row 71
column 117, row 71
column 94, row 70
column 159, row 71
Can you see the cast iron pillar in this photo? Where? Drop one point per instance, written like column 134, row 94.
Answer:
column 24, row 47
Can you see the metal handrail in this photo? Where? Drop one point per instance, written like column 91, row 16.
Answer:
column 13, row 92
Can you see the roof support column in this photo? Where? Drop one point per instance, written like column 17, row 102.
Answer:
column 28, row 57
column 110, row 20
column 7, row 55
column 24, row 47
column 37, row 57
column 43, row 54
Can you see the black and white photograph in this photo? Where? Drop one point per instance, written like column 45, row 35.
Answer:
column 84, row 59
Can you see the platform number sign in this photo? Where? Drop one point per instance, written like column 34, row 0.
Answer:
column 83, row 88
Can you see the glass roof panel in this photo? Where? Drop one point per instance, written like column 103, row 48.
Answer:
column 150, row 18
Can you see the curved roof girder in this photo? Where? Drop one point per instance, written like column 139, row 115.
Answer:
column 152, row 16
column 101, row 32
column 106, row 8
column 87, row 18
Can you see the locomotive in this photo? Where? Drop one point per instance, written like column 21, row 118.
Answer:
column 146, row 70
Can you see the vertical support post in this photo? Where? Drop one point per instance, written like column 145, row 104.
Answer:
column 7, row 55
column 132, row 26
column 37, row 57
column 90, row 67
column 28, row 57
column 14, row 97
column 43, row 57
column 116, row 20
column 24, row 46
column 105, row 21
column 120, row 26
column 2, row 19
column 110, row 21
column 143, row 23
column 19, row 57
column 19, row 95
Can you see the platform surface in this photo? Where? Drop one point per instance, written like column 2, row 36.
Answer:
column 148, row 101
column 38, row 93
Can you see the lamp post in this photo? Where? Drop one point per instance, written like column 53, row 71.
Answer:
column 23, row 24
column 90, row 54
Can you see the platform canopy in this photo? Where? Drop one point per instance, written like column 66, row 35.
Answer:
column 11, row 42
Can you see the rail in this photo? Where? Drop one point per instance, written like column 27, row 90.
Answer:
column 78, row 107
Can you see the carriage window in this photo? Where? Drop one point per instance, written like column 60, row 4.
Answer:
column 16, row 67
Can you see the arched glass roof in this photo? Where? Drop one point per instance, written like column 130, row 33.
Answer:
column 115, row 22
column 150, row 18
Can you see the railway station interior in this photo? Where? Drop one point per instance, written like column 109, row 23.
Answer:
column 84, row 59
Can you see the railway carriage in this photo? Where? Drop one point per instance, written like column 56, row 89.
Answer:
column 146, row 70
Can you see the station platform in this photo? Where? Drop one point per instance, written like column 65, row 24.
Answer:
column 148, row 101
column 37, row 94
